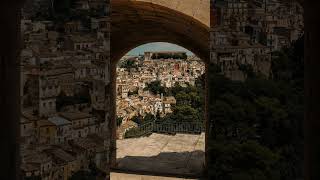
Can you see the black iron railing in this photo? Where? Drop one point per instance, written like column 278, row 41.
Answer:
column 166, row 128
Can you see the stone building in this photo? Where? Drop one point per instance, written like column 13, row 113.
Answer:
column 101, row 23
column 46, row 132
column 233, row 52
column 52, row 82
column 272, row 23
column 38, row 164
column 72, row 27
column 63, row 129
column 79, row 42
column 82, row 123
column 27, row 129
column 233, row 13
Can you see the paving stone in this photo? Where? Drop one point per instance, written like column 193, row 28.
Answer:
column 122, row 176
column 169, row 154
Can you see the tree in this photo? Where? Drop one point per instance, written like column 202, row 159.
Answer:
column 129, row 64
column 148, row 118
column 137, row 119
column 182, row 98
column 158, row 117
column 155, row 87
column 257, row 124
column 235, row 161
column 119, row 121
column 189, row 105
column 185, row 113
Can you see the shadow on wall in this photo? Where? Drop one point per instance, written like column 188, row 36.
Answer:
column 182, row 164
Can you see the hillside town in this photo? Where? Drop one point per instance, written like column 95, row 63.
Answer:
column 133, row 99
column 246, row 32
column 65, row 71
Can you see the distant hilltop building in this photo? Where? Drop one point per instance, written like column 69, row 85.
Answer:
column 165, row 55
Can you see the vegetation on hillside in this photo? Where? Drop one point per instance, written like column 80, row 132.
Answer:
column 155, row 87
column 189, row 105
column 169, row 56
column 129, row 64
column 256, row 125
column 190, row 101
column 119, row 121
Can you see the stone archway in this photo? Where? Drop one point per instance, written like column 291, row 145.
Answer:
column 138, row 22
column 114, row 155
column 134, row 23
column 10, row 99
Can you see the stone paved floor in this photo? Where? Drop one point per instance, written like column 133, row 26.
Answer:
column 122, row 176
column 181, row 154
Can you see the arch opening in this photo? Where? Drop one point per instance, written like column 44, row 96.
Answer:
column 145, row 22
column 127, row 88
column 139, row 22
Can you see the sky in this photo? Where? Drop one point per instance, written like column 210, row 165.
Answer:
column 157, row 46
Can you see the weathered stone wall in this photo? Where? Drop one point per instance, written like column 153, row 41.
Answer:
column 197, row 9
column 108, row 125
